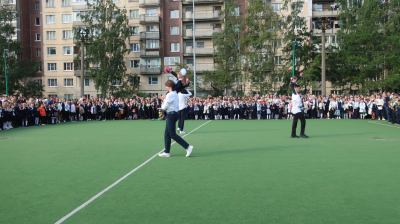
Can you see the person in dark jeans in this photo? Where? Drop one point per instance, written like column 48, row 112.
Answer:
column 298, row 113
column 171, row 106
column 386, row 101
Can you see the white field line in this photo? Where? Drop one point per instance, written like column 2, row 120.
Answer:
column 383, row 124
column 116, row 182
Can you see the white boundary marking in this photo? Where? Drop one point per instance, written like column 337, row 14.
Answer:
column 383, row 124
column 116, row 182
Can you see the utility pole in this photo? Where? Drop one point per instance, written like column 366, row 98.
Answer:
column 194, row 51
column 83, row 36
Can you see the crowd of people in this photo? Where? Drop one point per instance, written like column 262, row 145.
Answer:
column 31, row 111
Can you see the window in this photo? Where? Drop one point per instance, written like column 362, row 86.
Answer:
column 189, row 44
column 67, row 18
column 276, row 43
column 189, row 9
column 236, row 12
column 115, row 1
column 67, row 34
column 51, row 67
column 115, row 14
column 153, row 80
column 86, row 82
column 49, row 3
column 133, row 14
column 37, row 37
column 52, row 82
column 68, row 82
column 38, row 52
column 68, row 66
column 65, row 3
column 40, row 70
column 174, row 30
column 171, row 60
column 67, row 50
column 51, row 19
column 175, row 47
column 277, row 60
column 189, row 27
column 200, row 44
column 37, row 21
column 51, row 35
column 151, row 12
column 134, row 30
column 152, row 44
column 297, row 60
column 298, row 25
column 52, row 96
column 87, row 96
column 318, row 7
column 134, row 63
column 39, row 81
column 316, row 92
column 297, row 6
column 151, row 28
column 175, row 13
column 116, row 82
column 277, row 7
column 37, row 5
column 77, row 15
column 68, row 96
column 51, row 51
column 134, row 47
column 173, row 78
column 189, row 61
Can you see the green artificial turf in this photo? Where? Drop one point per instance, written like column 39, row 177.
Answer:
column 348, row 171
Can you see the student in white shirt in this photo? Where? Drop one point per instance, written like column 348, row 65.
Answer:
column 298, row 113
column 171, row 106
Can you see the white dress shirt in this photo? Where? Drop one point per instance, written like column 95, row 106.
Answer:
column 171, row 102
column 297, row 104
column 182, row 98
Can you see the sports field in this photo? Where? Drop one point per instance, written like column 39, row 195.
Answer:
column 348, row 171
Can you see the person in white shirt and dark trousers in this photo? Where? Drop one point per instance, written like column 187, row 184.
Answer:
column 171, row 106
column 298, row 113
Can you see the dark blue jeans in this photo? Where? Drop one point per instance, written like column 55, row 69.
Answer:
column 388, row 113
column 170, row 132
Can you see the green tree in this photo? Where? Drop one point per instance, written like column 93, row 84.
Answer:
column 261, row 22
column 19, row 70
column 109, row 33
column 368, row 51
column 228, row 51
column 294, row 28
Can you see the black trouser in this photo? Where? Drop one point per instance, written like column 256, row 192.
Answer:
column 181, row 116
column 170, row 132
column 302, row 120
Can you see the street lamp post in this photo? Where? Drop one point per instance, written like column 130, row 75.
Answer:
column 83, row 35
column 194, row 53
column 323, row 67
column 5, row 69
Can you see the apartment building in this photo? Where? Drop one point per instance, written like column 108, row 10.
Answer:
column 28, row 29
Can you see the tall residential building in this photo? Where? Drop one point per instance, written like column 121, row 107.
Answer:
column 28, row 29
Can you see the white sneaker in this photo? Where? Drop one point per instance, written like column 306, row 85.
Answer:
column 383, row 119
column 189, row 150
column 182, row 132
column 178, row 129
column 164, row 154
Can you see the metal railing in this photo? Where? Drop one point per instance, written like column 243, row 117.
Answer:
column 201, row 1
column 201, row 32
column 202, row 15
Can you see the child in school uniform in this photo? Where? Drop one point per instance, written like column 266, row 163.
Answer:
column 259, row 111
column 269, row 112
column 37, row 114
column 289, row 110
column 345, row 110
column 236, row 108
column 1, row 117
column 54, row 114
column 196, row 111
column 215, row 110
column 43, row 115
column 321, row 109
column 93, row 111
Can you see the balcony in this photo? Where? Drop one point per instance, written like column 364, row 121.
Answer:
column 207, row 50
column 149, row 18
column 202, row 16
column 327, row 31
column 200, row 33
column 150, row 69
column 152, row 35
column 325, row 9
column 203, row 67
column 149, row 3
column 198, row 2
column 150, row 52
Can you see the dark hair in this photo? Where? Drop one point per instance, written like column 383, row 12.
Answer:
column 170, row 83
column 296, row 86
